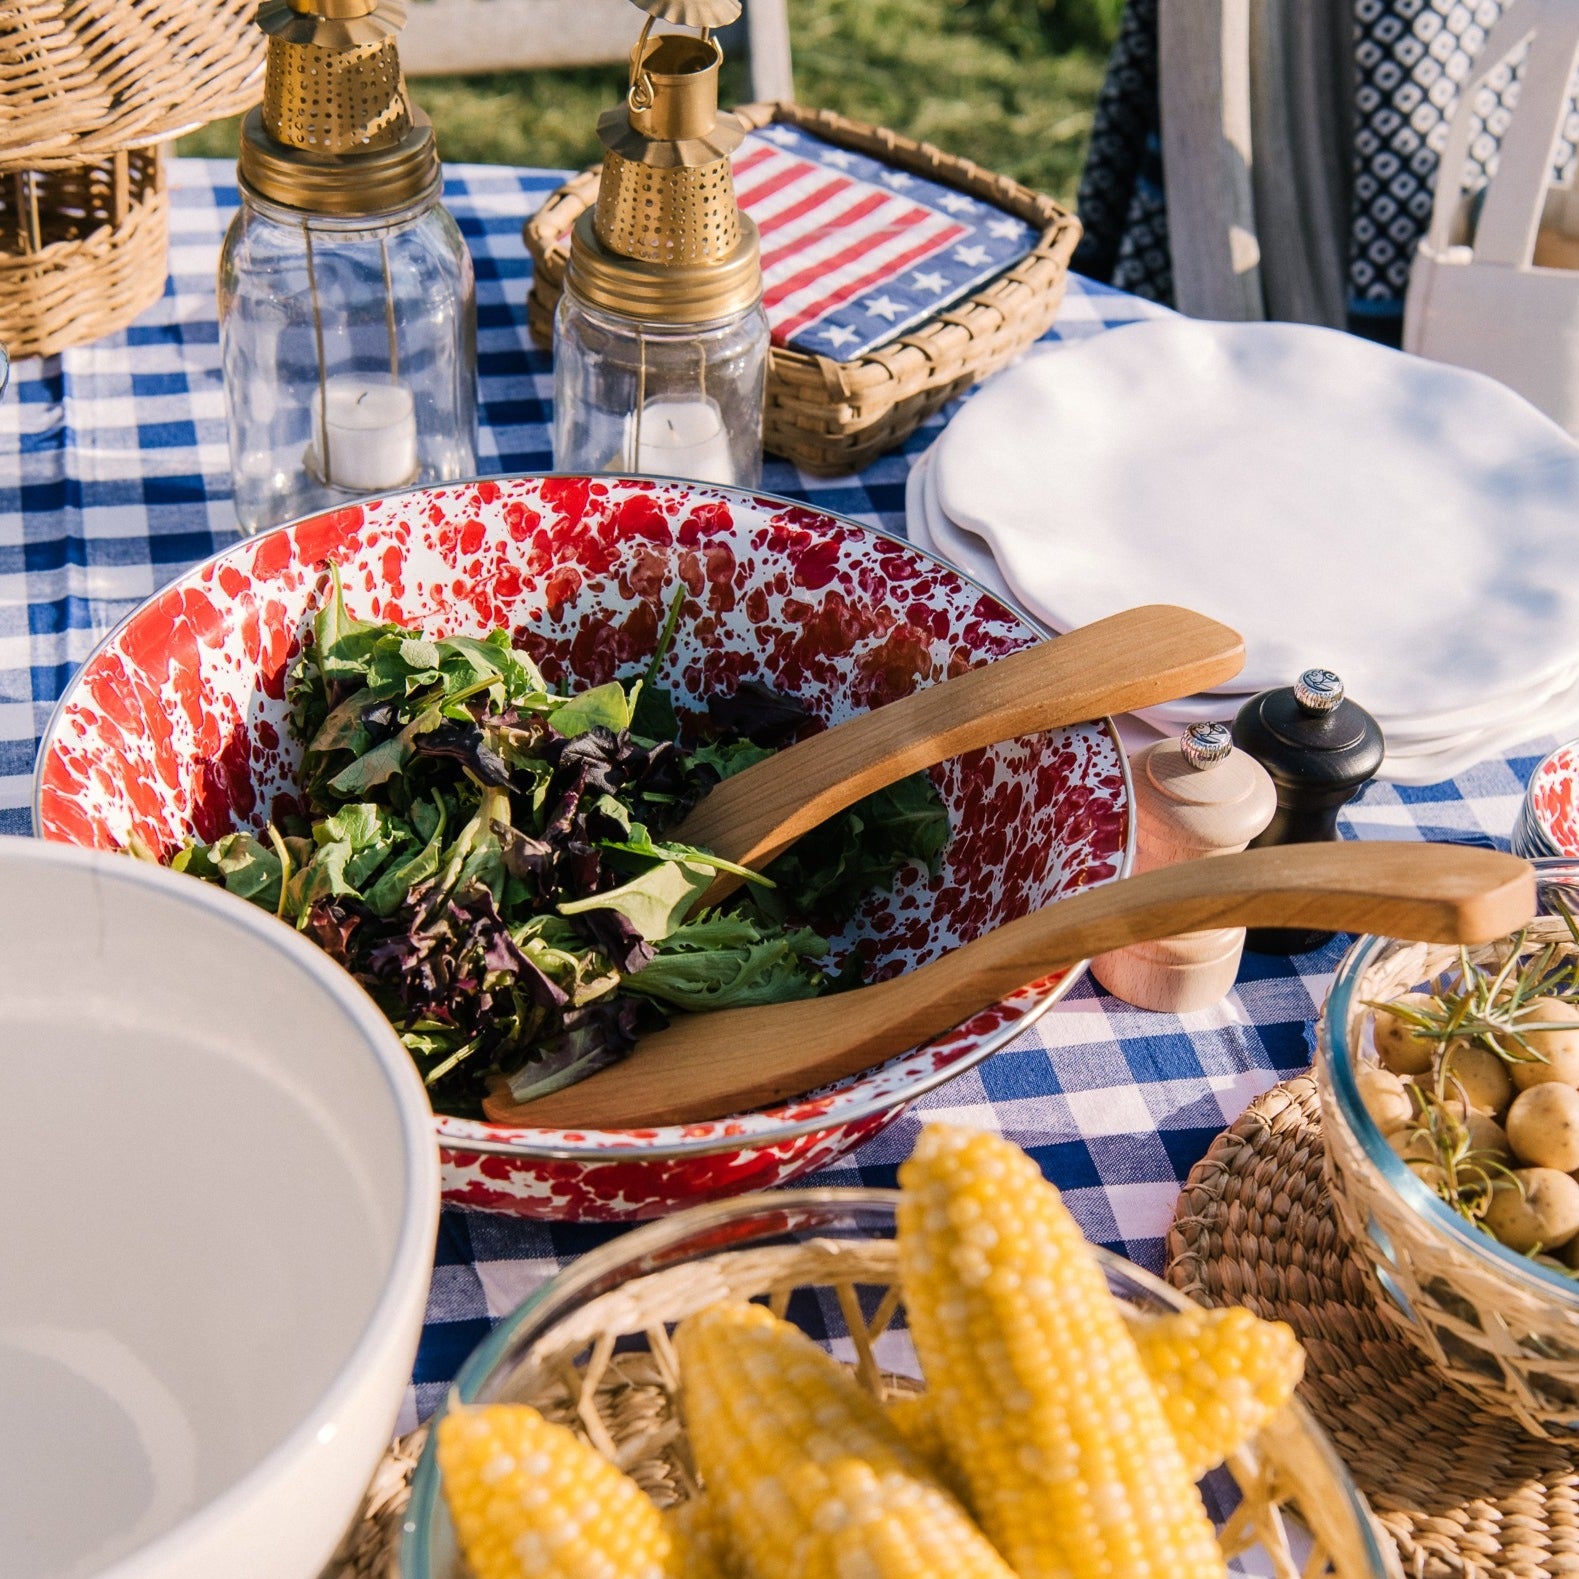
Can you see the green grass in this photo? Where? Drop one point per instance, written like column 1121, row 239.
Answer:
column 1000, row 96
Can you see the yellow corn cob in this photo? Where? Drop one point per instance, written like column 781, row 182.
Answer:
column 811, row 1478
column 1220, row 1376
column 530, row 1500
column 1048, row 1412
column 916, row 1421
column 701, row 1543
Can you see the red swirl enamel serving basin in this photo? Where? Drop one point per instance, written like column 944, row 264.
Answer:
column 177, row 727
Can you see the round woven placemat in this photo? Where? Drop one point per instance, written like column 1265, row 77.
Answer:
column 1461, row 1491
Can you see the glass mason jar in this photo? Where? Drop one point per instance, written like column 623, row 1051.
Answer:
column 349, row 352
column 658, row 400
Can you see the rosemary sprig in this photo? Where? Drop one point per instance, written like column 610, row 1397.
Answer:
column 1490, row 1007
column 1469, row 1173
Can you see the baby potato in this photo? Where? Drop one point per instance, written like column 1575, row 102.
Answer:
column 1385, row 1096
column 1401, row 1047
column 1544, row 1216
column 1543, row 1126
column 1558, row 1050
column 1479, row 1074
column 1488, row 1138
column 1413, row 1144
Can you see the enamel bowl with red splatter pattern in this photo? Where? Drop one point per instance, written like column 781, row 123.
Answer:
column 177, row 727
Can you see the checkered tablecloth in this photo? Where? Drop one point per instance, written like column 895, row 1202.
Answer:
column 114, row 478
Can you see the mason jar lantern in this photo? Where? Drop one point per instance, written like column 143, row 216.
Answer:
column 660, row 340
column 347, row 307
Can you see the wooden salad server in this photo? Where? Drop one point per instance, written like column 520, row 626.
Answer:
column 1133, row 659
column 710, row 1065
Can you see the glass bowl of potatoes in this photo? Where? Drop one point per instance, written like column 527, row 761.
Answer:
column 1449, row 1083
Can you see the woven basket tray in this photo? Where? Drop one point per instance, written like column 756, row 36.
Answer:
column 82, row 250
column 834, row 417
column 624, row 1401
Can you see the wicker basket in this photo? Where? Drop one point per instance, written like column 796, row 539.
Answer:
column 82, row 80
column 593, row 1350
column 1497, row 1325
column 87, row 90
column 834, row 417
column 82, row 250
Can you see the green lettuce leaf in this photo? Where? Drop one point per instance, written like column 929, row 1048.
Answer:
column 728, row 962
column 828, row 871
column 605, row 706
column 655, row 903
column 250, row 869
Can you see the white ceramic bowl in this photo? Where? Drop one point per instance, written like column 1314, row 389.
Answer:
column 220, row 1195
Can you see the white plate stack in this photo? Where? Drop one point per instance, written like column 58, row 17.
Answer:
column 1411, row 526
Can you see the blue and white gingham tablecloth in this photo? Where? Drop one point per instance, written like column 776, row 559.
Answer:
column 115, row 478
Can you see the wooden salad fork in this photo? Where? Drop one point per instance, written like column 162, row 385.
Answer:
column 706, row 1066
column 1133, row 659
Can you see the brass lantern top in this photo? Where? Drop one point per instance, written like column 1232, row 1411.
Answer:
column 666, row 241
column 336, row 133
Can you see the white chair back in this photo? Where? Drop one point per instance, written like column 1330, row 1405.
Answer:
column 1499, row 291
column 1255, row 147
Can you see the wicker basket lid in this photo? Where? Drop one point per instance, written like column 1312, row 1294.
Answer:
column 84, row 78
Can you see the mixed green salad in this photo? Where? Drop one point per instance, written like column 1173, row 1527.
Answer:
column 487, row 854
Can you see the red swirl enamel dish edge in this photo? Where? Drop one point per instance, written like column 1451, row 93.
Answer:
column 1554, row 798
column 176, row 726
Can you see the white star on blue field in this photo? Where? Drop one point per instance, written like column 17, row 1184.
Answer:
column 974, row 242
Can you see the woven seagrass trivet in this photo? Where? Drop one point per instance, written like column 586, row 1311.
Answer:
column 1463, row 1492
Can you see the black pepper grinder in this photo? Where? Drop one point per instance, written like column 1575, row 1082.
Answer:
column 1320, row 750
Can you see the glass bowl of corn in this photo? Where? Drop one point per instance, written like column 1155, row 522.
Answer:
column 889, row 1382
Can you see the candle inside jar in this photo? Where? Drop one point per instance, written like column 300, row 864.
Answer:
column 681, row 438
column 366, row 432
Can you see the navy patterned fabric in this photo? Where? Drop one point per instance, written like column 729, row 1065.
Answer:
column 1121, row 201
column 1411, row 59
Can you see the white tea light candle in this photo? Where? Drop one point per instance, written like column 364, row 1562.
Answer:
column 366, row 433
column 680, row 438
column 347, row 298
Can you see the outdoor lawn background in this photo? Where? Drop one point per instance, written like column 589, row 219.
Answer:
column 1008, row 83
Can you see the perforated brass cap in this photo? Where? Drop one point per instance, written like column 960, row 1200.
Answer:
column 336, row 133
column 692, row 13
column 667, row 242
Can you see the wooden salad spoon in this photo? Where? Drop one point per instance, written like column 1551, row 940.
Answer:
column 710, row 1065
column 1136, row 658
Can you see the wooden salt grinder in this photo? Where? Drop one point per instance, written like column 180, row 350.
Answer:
column 1321, row 750
column 1194, row 796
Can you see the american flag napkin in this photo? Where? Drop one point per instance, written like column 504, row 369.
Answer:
column 855, row 252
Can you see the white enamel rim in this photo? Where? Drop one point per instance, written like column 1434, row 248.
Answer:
column 412, row 1261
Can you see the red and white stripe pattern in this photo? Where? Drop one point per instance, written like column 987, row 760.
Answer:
column 829, row 237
